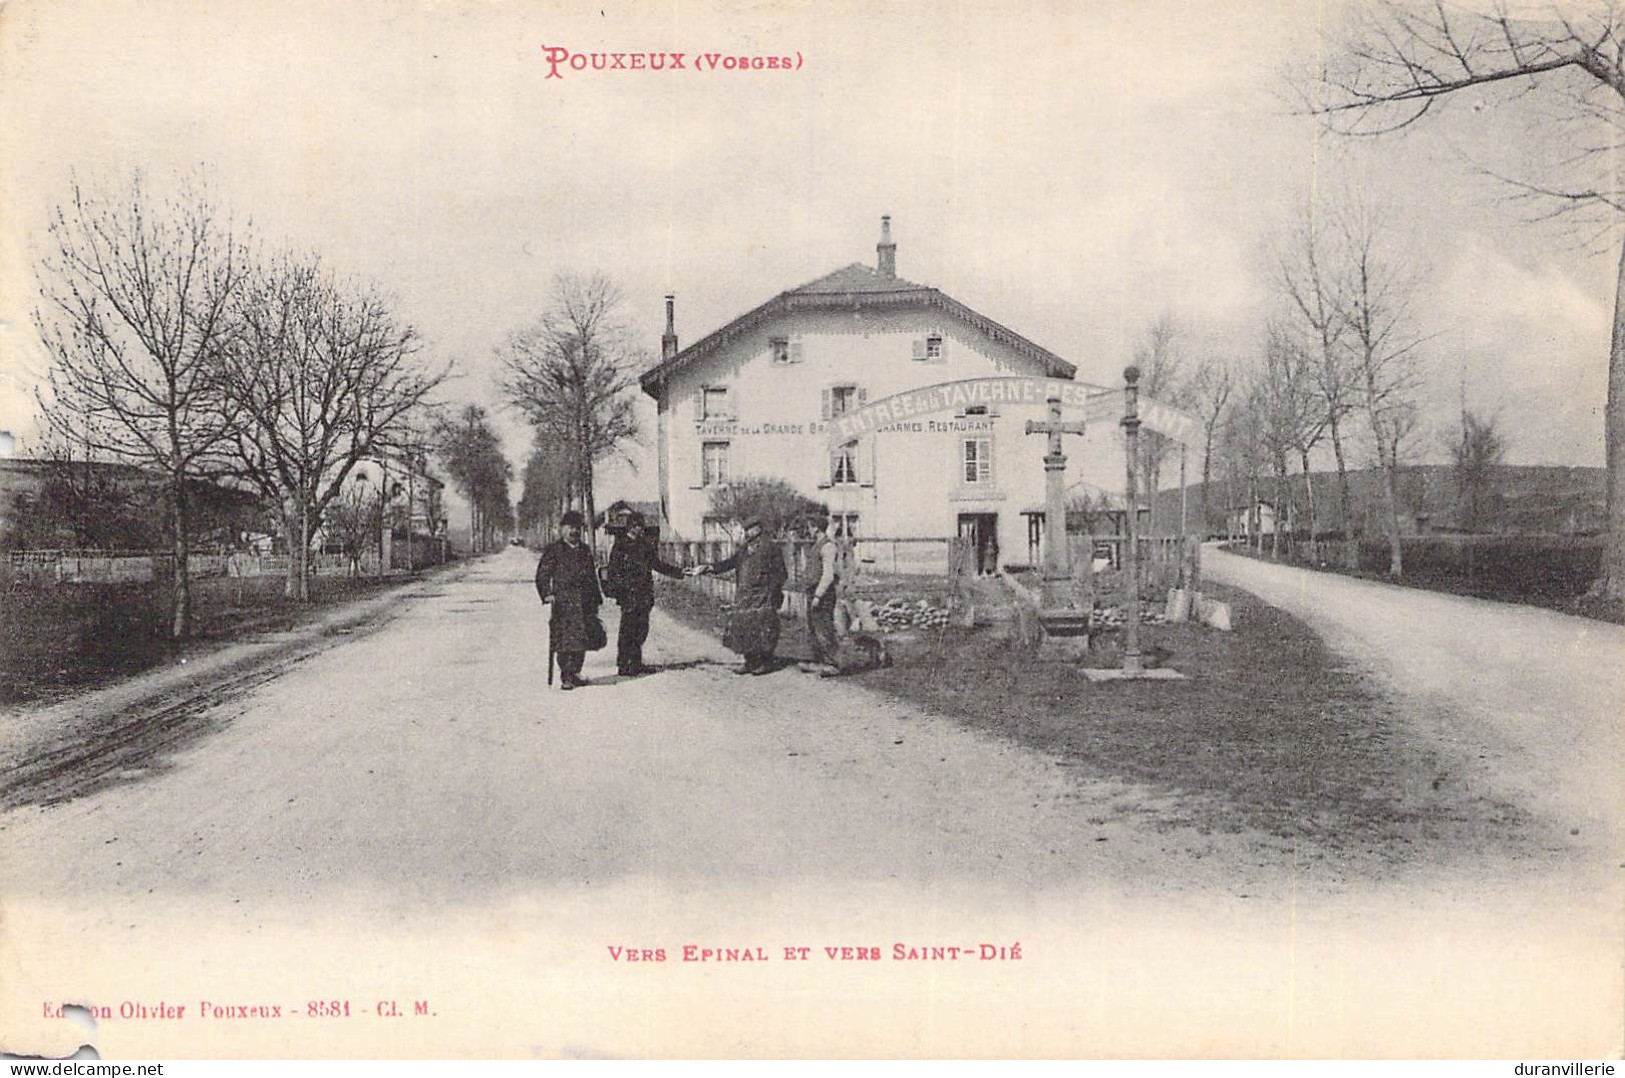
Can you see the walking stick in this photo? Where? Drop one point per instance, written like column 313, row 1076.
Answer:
column 550, row 651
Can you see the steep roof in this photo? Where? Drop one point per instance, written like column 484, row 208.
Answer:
column 854, row 287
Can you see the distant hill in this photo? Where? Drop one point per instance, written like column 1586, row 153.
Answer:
column 1527, row 498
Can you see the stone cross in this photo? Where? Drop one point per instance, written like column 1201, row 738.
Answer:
column 1057, row 573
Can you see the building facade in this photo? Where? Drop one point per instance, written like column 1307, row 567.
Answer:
column 756, row 399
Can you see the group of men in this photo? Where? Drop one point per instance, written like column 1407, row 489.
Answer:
column 567, row 577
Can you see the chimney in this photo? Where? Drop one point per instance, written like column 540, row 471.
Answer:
column 668, row 343
column 886, row 250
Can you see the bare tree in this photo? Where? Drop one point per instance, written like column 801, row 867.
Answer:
column 1477, row 451
column 1289, row 418
column 1243, row 453
column 135, row 310
column 1378, row 295
column 1211, row 390
column 1401, row 62
column 324, row 376
column 572, row 374
column 1306, row 273
column 472, row 455
column 1161, row 359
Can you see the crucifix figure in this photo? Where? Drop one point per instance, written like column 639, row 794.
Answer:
column 1057, row 557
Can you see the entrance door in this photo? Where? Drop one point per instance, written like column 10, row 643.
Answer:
column 982, row 529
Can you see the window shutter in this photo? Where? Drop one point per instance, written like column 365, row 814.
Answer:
column 863, row 456
column 863, row 396
column 731, row 399
column 942, row 346
column 795, row 350
column 699, row 404
column 986, row 463
column 828, row 405
column 919, row 349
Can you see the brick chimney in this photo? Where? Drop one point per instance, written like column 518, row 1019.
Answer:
column 668, row 343
column 886, row 263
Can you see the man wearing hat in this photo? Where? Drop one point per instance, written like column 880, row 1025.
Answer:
column 753, row 626
column 566, row 577
column 632, row 565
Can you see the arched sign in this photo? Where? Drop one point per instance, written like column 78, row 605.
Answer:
column 1098, row 404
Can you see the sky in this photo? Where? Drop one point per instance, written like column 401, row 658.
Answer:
column 1072, row 170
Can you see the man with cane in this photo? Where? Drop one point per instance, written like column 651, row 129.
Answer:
column 567, row 578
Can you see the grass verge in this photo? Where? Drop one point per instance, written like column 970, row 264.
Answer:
column 64, row 639
column 1271, row 733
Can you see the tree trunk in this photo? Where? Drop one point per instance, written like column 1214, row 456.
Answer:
column 1309, row 493
column 180, row 624
column 1390, row 492
column 1280, row 505
column 1342, row 477
column 1611, row 583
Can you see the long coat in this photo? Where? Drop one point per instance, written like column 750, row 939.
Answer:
column 566, row 574
column 753, row 627
column 631, row 567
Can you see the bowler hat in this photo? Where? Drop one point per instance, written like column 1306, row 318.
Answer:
column 572, row 518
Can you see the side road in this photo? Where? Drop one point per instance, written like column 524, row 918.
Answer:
column 1538, row 695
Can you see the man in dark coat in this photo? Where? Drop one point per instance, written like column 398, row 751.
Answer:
column 632, row 565
column 567, row 578
column 753, row 626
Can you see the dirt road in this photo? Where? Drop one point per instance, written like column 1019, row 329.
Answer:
column 1534, row 700
column 411, row 822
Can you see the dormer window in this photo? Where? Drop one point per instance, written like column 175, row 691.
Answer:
column 933, row 347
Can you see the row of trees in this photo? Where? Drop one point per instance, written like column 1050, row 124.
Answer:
column 177, row 346
column 1400, row 64
column 1338, row 367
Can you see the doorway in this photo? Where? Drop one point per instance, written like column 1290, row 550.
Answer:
column 982, row 529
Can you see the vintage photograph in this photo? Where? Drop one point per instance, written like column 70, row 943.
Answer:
column 812, row 530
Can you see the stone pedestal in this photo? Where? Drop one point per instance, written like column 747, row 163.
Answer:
column 1066, row 634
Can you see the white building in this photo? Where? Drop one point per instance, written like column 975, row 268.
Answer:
column 756, row 397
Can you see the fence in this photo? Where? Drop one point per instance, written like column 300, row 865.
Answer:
column 1517, row 568
column 128, row 567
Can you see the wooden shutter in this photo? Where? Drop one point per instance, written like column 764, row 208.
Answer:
column 919, row 348
column 863, row 396
column 699, row 404
column 828, row 403
column 795, row 350
column 731, row 402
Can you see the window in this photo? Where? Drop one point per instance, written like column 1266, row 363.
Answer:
column 714, row 403
column 713, row 464
column 932, row 348
column 843, row 465
column 977, row 461
column 846, row 525
column 839, row 400
column 785, row 349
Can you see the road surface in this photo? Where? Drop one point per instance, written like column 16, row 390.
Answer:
column 409, row 820
column 1537, row 697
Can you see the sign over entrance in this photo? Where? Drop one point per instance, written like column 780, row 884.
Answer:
column 1097, row 402
column 950, row 396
